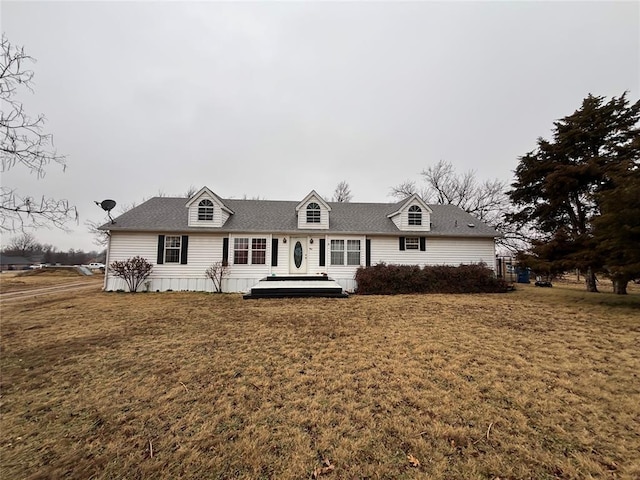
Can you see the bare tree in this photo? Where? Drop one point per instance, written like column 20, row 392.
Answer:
column 216, row 272
column 23, row 143
column 487, row 200
column 190, row 191
column 342, row 193
column 405, row 189
column 23, row 245
column 100, row 237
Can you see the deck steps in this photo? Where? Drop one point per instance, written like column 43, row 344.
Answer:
column 296, row 286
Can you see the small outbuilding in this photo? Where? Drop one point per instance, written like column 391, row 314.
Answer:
column 13, row 262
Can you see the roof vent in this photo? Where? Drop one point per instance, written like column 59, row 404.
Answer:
column 471, row 225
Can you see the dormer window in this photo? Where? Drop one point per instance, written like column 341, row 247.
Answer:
column 205, row 210
column 313, row 213
column 415, row 215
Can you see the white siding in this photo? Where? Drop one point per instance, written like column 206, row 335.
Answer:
column 345, row 274
column 203, row 251
column 242, row 277
column 324, row 217
column 401, row 220
column 313, row 257
column 283, row 257
column 439, row 251
column 219, row 216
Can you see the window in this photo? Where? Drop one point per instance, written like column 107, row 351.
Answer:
column 353, row 252
column 412, row 243
column 337, row 252
column 243, row 250
column 415, row 215
column 258, row 251
column 172, row 249
column 205, row 210
column 313, row 213
column 240, row 251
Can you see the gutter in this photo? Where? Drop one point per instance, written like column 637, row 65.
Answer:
column 106, row 263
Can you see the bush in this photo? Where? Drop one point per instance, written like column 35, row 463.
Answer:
column 133, row 271
column 216, row 272
column 382, row 279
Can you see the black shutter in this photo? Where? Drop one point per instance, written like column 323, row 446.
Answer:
column 160, row 249
column 367, row 253
column 184, row 247
column 225, row 250
column 274, row 252
column 423, row 244
column 401, row 243
column 322, row 252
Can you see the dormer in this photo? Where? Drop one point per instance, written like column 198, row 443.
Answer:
column 206, row 209
column 313, row 212
column 413, row 215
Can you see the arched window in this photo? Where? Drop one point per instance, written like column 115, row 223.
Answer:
column 313, row 213
column 205, row 210
column 415, row 215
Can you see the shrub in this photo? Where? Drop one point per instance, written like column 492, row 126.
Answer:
column 133, row 271
column 216, row 273
column 382, row 279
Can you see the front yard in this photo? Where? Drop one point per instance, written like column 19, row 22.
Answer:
column 537, row 383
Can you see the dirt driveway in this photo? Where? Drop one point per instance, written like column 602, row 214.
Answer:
column 65, row 286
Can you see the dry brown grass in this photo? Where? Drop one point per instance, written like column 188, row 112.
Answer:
column 538, row 383
column 44, row 277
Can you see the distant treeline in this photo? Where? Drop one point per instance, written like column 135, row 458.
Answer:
column 26, row 246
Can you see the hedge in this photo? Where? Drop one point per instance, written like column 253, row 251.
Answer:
column 383, row 279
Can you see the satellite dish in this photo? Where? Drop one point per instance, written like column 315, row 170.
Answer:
column 107, row 206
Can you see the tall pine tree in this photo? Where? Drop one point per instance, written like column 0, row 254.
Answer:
column 617, row 229
column 558, row 187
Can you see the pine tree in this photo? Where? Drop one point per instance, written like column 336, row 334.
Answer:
column 617, row 230
column 558, row 186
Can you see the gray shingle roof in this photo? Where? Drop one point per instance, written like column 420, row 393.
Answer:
column 13, row 260
column 166, row 214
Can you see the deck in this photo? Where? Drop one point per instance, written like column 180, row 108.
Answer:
column 296, row 286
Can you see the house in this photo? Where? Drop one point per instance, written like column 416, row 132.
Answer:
column 13, row 262
column 260, row 238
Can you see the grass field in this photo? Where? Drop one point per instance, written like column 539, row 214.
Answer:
column 42, row 277
column 536, row 383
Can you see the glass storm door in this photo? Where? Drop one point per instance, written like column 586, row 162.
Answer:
column 298, row 255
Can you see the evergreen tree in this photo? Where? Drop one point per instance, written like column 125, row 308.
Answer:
column 617, row 230
column 557, row 189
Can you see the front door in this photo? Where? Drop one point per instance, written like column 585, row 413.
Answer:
column 298, row 255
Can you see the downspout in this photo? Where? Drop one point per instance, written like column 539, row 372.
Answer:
column 270, row 271
column 106, row 262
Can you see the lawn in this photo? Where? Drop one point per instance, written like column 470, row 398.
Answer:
column 536, row 383
column 43, row 277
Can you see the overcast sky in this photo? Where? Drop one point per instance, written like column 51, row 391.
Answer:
column 276, row 99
